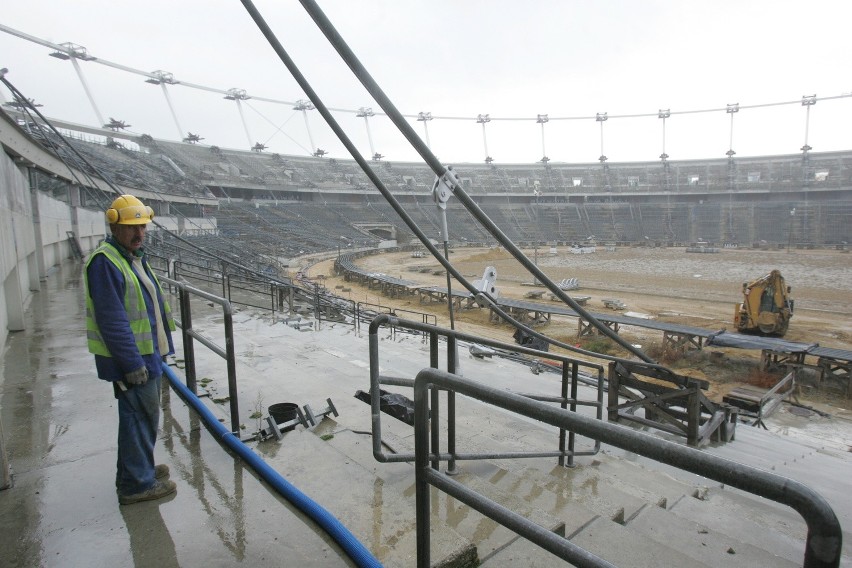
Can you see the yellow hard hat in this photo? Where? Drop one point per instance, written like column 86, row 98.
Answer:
column 128, row 210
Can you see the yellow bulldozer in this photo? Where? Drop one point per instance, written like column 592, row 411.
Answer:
column 766, row 308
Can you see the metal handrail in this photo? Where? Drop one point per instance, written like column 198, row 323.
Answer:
column 364, row 310
column 772, row 395
column 189, row 335
column 249, row 286
column 823, row 545
column 570, row 377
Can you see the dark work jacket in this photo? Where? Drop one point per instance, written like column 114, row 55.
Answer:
column 106, row 287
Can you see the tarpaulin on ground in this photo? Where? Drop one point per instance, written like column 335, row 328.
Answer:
column 741, row 341
column 397, row 405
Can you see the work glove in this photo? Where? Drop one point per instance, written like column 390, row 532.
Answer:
column 137, row 377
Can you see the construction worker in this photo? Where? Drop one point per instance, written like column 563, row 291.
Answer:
column 128, row 327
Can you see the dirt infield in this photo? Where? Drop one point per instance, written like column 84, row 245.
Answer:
column 666, row 284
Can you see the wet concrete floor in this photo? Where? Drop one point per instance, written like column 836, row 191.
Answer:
column 60, row 426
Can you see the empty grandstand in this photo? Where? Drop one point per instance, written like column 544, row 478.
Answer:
column 292, row 205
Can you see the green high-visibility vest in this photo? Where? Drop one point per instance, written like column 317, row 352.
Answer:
column 134, row 305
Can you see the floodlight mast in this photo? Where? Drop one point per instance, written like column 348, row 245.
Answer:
column 74, row 52
column 305, row 106
column 163, row 78
column 732, row 109
column 484, row 119
column 543, row 119
column 238, row 95
column 366, row 113
column 807, row 102
column 425, row 117
column 662, row 114
column 601, row 117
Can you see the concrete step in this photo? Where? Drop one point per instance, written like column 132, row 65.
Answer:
column 522, row 552
column 604, row 538
column 655, row 487
column 358, row 447
column 774, row 515
column 584, row 484
column 603, row 483
column 379, row 513
column 539, row 505
column 616, row 489
column 787, row 457
column 702, row 543
column 488, row 535
column 623, row 547
column 732, row 522
column 814, row 467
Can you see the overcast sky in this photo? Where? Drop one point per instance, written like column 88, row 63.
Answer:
column 459, row 59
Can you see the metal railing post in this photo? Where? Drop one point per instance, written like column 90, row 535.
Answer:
column 434, row 415
column 452, row 367
column 564, row 404
column 421, row 485
column 375, row 401
column 612, row 398
column 571, row 436
column 225, row 280
column 190, row 335
column 357, row 318
column 231, row 361
column 188, row 345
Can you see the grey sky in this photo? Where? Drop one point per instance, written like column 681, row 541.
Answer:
column 460, row 59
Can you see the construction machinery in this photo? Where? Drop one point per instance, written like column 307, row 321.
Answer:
column 766, row 308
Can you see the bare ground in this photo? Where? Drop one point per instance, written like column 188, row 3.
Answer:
column 667, row 284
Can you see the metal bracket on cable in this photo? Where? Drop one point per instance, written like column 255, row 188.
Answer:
column 443, row 187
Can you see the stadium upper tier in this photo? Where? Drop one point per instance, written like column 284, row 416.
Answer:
column 183, row 168
column 252, row 173
column 296, row 204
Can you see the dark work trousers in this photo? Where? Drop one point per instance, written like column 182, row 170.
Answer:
column 138, row 418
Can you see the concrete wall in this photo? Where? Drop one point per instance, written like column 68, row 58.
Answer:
column 91, row 229
column 34, row 238
column 18, row 272
column 54, row 221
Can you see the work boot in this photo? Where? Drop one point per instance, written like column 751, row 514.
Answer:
column 160, row 471
column 158, row 490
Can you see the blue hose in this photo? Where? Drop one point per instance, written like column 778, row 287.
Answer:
column 334, row 528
